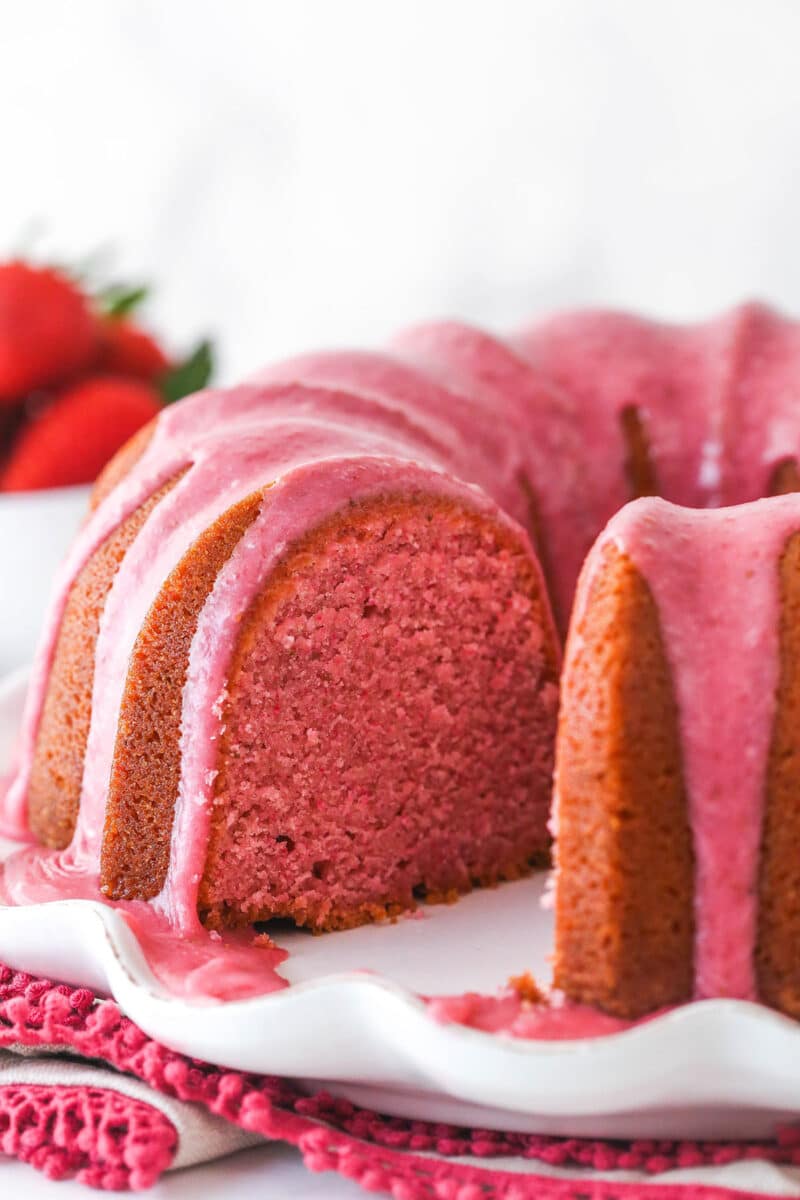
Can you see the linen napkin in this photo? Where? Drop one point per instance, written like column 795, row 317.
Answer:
column 86, row 1094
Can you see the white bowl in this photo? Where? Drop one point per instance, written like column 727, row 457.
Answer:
column 36, row 529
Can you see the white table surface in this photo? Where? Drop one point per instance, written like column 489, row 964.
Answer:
column 276, row 1172
column 272, row 1172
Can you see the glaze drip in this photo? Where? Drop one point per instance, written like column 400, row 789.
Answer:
column 714, row 576
column 530, row 430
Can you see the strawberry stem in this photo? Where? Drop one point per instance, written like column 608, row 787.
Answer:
column 118, row 300
column 188, row 376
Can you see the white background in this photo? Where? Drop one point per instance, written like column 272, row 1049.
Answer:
column 291, row 174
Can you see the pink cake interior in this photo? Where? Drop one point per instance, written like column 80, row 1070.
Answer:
column 404, row 690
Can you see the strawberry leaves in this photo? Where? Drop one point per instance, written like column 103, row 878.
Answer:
column 188, row 376
column 119, row 300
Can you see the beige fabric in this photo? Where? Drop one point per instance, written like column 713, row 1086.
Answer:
column 201, row 1136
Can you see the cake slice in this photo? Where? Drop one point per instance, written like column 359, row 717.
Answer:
column 296, row 666
column 678, row 761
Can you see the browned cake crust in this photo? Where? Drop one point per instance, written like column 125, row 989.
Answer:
column 57, row 769
column 123, row 461
column 146, row 769
column 223, row 915
column 624, row 919
column 538, row 536
column 785, row 478
column 639, row 468
column 778, row 942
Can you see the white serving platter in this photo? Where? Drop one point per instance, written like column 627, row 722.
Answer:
column 353, row 1021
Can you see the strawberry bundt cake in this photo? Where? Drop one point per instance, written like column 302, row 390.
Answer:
column 303, row 660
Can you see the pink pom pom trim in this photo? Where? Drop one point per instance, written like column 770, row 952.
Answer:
column 107, row 1140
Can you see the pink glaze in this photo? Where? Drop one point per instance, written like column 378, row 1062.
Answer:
column 236, row 442
column 713, row 399
column 763, row 427
column 478, row 446
column 552, row 1020
column 458, row 413
column 714, row 577
column 200, row 966
column 551, row 446
column 233, row 965
column 301, row 443
column 9, row 824
column 175, row 524
column 297, row 503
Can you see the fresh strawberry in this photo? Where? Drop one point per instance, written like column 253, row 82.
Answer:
column 47, row 330
column 72, row 439
column 126, row 349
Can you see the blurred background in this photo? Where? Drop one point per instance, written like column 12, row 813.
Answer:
column 322, row 171
column 319, row 173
